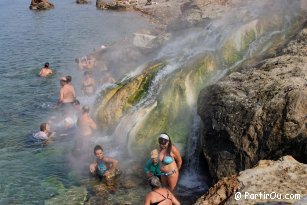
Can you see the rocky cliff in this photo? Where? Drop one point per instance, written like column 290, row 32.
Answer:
column 275, row 182
column 259, row 113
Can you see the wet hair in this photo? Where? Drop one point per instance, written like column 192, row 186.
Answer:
column 43, row 126
column 47, row 65
column 154, row 182
column 169, row 146
column 76, row 102
column 85, row 108
column 68, row 79
column 97, row 147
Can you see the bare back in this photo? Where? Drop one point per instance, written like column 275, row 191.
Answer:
column 44, row 72
column 161, row 195
column 86, row 125
column 67, row 94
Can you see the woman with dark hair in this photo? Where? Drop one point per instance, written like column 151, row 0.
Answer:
column 171, row 162
column 159, row 195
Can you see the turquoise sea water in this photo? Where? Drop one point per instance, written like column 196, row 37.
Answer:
column 28, row 39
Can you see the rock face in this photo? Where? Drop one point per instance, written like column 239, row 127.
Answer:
column 285, row 180
column 257, row 114
column 220, row 192
column 41, row 5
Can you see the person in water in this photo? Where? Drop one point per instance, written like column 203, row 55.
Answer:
column 45, row 71
column 86, row 63
column 86, row 123
column 171, row 162
column 67, row 92
column 88, row 84
column 104, row 166
column 159, row 195
column 152, row 166
column 44, row 134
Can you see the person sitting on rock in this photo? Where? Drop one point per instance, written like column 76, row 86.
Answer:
column 45, row 71
column 88, row 84
column 104, row 166
column 159, row 195
column 152, row 166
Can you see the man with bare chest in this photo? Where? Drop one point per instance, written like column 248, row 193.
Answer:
column 67, row 92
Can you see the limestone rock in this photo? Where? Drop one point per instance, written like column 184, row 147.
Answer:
column 276, row 182
column 220, row 192
column 82, row 1
column 258, row 113
column 143, row 40
column 114, row 5
column 41, row 5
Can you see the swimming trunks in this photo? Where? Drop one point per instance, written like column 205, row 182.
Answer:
column 168, row 173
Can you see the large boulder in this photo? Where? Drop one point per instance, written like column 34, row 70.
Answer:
column 41, row 5
column 271, row 182
column 259, row 113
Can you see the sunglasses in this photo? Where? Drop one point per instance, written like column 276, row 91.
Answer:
column 162, row 141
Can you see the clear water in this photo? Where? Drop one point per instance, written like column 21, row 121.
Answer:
column 28, row 39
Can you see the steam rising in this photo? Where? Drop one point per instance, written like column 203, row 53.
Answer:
column 182, row 49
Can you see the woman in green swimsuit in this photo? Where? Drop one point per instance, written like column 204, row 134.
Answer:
column 171, row 162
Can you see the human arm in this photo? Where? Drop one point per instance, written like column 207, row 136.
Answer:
column 177, row 156
column 93, row 167
column 61, row 96
column 147, row 168
column 40, row 72
column 92, row 124
column 174, row 200
column 112, row 162
column 147, row 199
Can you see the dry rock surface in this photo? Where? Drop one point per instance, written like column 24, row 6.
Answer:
column 283, row 181
column 259, row 113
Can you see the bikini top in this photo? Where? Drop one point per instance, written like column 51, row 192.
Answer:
column 101, row 166
column 167, row 160
column 167, row 197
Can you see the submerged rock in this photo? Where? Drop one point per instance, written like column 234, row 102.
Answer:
column 257, row 114
column 279, row 182
column 41, row 5
column 113, row 5
column 82, row 1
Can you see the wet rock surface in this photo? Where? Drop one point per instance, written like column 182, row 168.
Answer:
column 41, row 5
column 82, row 1
column 259, row 113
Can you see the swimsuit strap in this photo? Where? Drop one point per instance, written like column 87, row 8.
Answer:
column 163, row 196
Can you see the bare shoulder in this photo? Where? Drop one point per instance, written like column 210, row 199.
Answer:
column 174, row 148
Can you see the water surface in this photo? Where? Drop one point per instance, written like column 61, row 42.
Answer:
column 28, row 39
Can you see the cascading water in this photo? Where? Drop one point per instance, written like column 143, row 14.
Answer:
column 168, row 100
